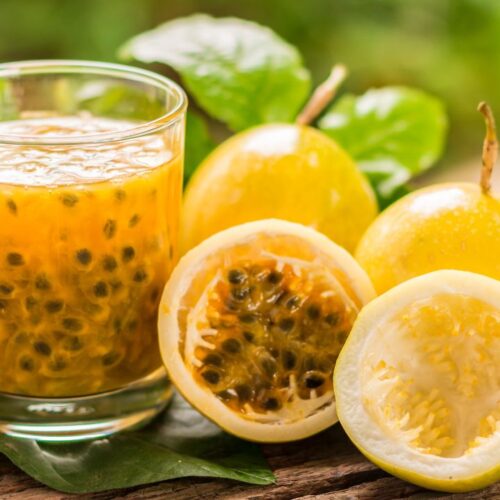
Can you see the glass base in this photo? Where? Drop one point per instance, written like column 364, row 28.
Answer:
column 85, row 417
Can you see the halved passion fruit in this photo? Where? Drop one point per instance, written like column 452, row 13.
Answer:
column 251, row 324
column 418, row 381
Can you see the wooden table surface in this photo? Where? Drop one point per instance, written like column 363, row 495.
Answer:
column 323, row 467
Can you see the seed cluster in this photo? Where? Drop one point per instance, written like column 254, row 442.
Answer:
column 277, row 336
column 81, row 275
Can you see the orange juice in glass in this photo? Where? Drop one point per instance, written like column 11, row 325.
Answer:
column 90, row 189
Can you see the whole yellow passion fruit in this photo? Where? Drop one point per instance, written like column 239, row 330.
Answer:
column 446, row 226
column 287, row 171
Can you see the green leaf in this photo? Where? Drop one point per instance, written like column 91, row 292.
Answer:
column 239, row 72
column 180, row 443
column 393, row 133
column 198, row 143
column 119, row 101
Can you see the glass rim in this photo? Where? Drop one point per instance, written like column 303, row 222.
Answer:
column 70, row 66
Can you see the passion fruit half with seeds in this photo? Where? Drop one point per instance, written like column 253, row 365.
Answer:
column 251, row 324
column 418, row 381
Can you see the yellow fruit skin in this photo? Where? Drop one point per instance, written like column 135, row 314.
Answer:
column 450, row 486
column 446, row 226
column 281, row 171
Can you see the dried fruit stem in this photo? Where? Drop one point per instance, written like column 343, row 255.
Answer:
column 322, row 95
column 490, row 147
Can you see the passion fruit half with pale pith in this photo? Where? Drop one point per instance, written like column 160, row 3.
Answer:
column 418, row 381
column 251, row 324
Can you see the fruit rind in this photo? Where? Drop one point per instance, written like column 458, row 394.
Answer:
column 179, row 282
column 430, row 471
column 282, row 171
column 444, row 226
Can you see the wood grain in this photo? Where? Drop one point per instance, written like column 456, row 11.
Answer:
column 324, row 467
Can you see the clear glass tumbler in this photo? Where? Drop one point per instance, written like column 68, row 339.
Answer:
column 91, row 160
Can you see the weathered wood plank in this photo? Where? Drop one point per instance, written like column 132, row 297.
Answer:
column 324, row 467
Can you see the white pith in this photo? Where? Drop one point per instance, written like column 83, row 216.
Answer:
column 290, row 422
column 459, row 386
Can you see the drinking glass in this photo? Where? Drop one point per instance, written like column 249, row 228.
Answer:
column 91, row 159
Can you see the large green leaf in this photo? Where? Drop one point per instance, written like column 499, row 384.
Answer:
column 180, row 443
column 393, row 133
column 198, row 143
column 239, row 72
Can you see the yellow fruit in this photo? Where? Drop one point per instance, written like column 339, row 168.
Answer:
column 285, row 171
column 251, row 323
column 417, row 383
column 447, row 226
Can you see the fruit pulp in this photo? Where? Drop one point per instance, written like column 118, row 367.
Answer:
column 452, row 405
column 271, row 323
column 251, row 324
column 417, row 382
column 87, row 241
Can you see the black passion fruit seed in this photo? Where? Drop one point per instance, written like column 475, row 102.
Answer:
column 268, row 365
column 30, row 303
column 6, row 288
column 244, row 392
column 42, row 348
column 57, row 365
column 27, row 364
column 236, row 277
column 110, row 358
column 289, row 360
column 274, row 277
column 313, row 380
column 292, row 302
column 128, row 253
column 83, row 256
column 211, row 376
column 72, row 343
column 72, row 324
column 42, row 282
column 213, row 359
column 247, row 318
column 109, row 263
column 11, row 205
column 231, row 346
column 249, row 336
column 54, row 306
column 277, row 336
column 120, row 194
column 271, row 404
column 134, row 220
column 140, row 275
column 240, row 293
column 109, row 229
column 100, row 289
column 69, row 199
column 332, row 319
column 154, row 295
column 286, row 324
column 314, row 312
column 15, row 259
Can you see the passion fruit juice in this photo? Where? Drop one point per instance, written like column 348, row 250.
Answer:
column 88, row 237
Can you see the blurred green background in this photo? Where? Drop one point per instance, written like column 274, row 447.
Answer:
column 448, row 47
